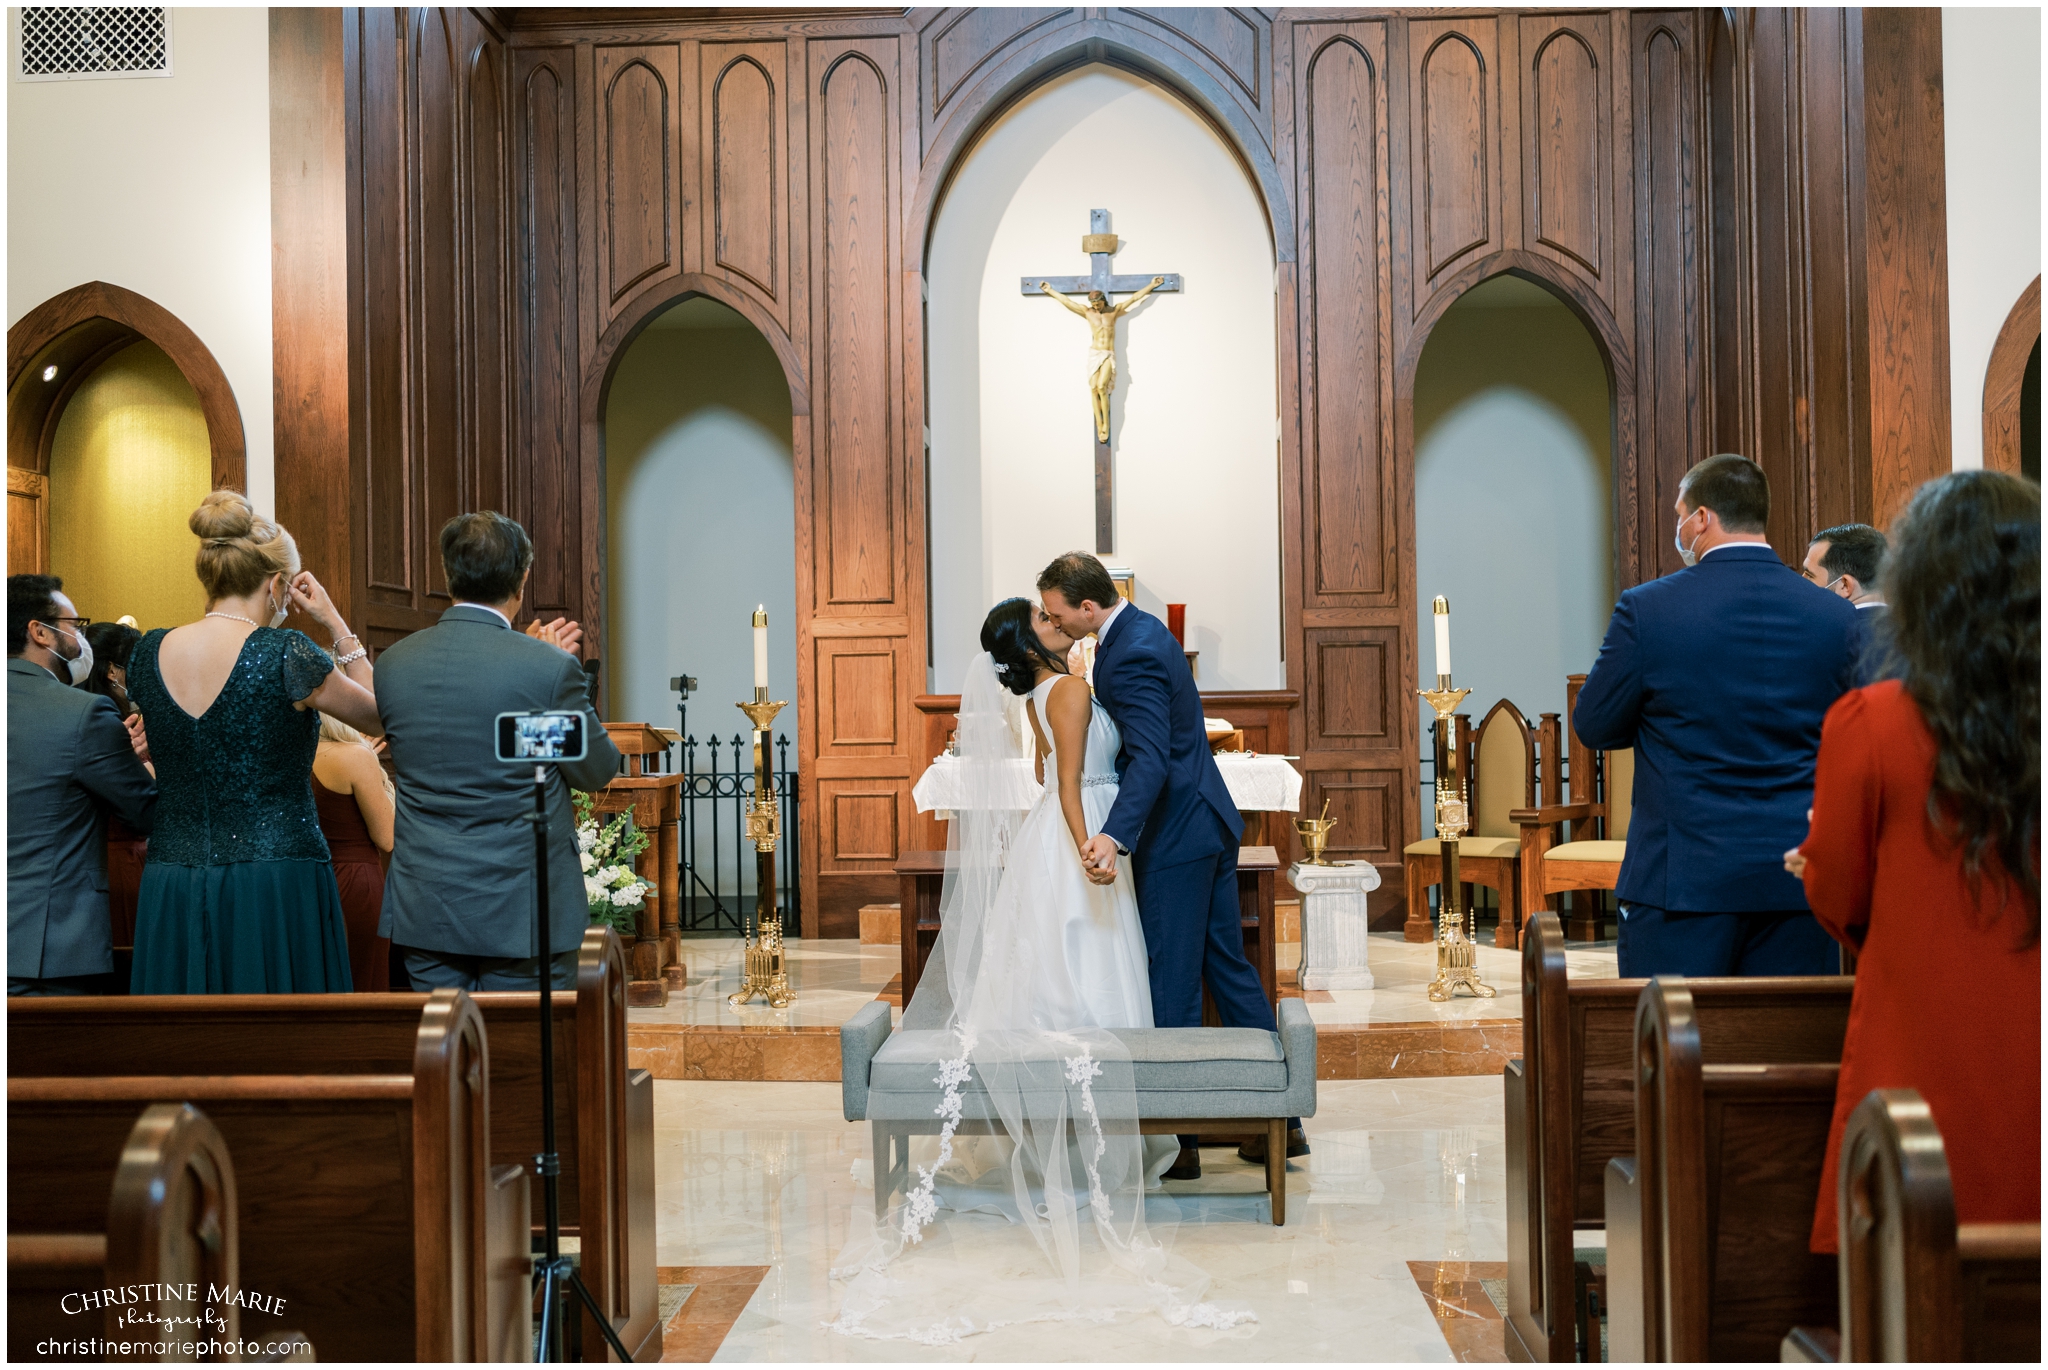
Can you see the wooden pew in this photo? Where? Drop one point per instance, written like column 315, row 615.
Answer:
column 367, row 1202
column 1915, row 1285
column 1570, row 1104
column 1708, row 1223
column 162, row 1213
column 604, row 1117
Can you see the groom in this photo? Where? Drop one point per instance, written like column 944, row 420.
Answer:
column 1173, row 818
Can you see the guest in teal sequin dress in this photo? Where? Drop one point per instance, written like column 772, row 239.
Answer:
column 238, row 896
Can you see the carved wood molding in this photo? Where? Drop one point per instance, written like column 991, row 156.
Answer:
column 2004, row 378
column 77, row 331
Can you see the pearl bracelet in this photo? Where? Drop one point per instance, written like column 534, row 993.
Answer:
column 357, row 655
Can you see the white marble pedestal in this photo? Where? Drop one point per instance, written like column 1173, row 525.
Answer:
column 1333, row 923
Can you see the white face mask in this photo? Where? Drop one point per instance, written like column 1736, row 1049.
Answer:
column 279, row 613
column 1686, row 553
column 79, row 666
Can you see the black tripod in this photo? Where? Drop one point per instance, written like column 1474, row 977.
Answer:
column 554, row 1269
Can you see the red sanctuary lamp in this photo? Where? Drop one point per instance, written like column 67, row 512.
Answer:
column 1177, row 623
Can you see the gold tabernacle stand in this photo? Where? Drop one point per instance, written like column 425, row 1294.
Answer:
column 1457, row 961
column 767, row 971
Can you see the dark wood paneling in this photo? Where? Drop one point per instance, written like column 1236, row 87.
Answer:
column 1567, row 124
column 1356, row 696
column 488, row 419
column 1906, row 252
column 968, row 38
column 436, row 380
column 1369, row 807
column 309, row 293
column 545, row 188
column 745, row 158
column 1454, row 131
column 1230, row 38
column 855, row 458
column 2005, row 378
column 636, row 224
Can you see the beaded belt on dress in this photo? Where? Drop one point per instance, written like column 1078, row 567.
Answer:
column 1087, row 780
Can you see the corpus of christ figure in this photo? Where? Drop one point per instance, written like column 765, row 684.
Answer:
column 1097, row 287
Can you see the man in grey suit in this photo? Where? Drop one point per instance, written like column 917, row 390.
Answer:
column 458, row 900
column 69, row 761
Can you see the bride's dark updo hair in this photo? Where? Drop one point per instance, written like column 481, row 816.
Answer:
column 1008, row 635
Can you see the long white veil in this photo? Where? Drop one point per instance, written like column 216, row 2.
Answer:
column 1037, row 1126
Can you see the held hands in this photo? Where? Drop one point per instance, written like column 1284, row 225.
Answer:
column 1098, row 860
column 560, row 633
column 1795, row 860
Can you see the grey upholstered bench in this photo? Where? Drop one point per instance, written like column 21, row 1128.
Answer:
column 1189, row 1080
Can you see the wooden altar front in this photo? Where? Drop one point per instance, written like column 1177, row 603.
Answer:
column 654, row 958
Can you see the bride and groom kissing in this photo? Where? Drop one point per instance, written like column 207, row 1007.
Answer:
column 1119, row 888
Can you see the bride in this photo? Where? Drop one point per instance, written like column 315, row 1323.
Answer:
column 1035, row 971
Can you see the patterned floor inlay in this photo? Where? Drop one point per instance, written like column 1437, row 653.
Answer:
column 1464, row 1306
column 699, row 1304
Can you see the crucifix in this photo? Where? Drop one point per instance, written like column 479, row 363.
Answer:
column 1098, row 285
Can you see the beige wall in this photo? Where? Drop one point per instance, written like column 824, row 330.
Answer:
column 1012, row 445
column 128, row 464
column 161, row 186
column 1991, row 79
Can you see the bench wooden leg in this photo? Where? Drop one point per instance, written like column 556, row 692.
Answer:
column 1276, row 1168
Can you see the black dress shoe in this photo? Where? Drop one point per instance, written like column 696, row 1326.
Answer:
column 1188, row 1166
column 1255, row 1149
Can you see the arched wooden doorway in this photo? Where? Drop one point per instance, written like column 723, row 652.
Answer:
column 51, row 351
column 2015, row 355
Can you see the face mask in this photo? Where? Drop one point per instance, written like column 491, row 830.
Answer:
column 79, row 666
column 1685, row 553
column 280, row 613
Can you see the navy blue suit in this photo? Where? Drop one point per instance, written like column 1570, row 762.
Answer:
column 1175, row 817
column 1719, row 677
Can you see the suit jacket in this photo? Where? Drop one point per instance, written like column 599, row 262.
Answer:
column 1171, row 804
column 69, row 764
column 462, row 866
column 1872, row 642
column 1719, row 677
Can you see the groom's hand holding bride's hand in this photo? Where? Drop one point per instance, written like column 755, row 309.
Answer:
column 1098, row 859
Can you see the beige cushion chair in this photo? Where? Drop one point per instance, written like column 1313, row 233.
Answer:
column 1502, row 761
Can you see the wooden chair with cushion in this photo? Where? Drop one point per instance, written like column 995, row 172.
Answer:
column 1588, row 857
column 1501, row 759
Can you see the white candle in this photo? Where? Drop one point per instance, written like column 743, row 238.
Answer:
column 1443, row 635
column 761, row 647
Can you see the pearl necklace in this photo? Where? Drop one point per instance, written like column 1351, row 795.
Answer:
column 237, row 618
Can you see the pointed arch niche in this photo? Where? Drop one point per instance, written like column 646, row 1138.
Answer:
column 1012, row 457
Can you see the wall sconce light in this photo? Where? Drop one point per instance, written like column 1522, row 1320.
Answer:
column 49, row 373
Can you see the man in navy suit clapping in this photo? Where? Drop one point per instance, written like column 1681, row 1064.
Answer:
column 1719, row 675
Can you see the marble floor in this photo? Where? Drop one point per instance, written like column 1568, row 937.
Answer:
column 762, row 1174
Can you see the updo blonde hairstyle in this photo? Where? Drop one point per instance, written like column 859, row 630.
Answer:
column 239, row 549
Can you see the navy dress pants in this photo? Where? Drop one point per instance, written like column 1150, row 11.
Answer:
column 1194, row 932
column 1662, row 942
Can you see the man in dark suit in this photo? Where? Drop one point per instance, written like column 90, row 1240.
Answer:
column 1172, row 817
column 1847, row 560
column 1719, row 675
column 459, row 897
column 69, row 761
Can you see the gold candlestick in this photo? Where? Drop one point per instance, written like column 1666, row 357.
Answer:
column 1457, row 961
column 766, row 970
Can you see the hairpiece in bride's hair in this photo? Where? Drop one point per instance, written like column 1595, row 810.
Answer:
column 1008, row 634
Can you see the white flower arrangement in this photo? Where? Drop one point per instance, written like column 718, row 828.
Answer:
column 605, row 852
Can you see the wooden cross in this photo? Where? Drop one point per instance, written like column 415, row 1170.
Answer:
column 1100, row 244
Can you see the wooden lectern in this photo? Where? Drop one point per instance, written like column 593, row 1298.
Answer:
column 654, row 956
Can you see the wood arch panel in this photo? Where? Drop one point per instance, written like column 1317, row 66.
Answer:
column 640, row 234
column 489, row 417
column 745, row 173
column 1452, row 134
column 1568, row 153
column 2004, row 377
column 79, row 329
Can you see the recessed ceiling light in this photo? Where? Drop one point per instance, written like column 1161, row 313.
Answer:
column 49, row 373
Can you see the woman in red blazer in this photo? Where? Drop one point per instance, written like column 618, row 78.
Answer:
column 1924, row 855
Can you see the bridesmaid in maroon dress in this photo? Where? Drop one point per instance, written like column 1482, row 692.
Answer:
column 1924, row 856
column 112, row 644
column 354, row 799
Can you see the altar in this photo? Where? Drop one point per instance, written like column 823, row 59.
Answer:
column 1257, row 783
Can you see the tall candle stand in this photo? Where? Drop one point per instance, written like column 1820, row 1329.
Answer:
column 767, row 970
column 1457, row 961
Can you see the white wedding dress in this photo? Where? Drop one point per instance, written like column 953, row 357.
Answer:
column 1030, row 1204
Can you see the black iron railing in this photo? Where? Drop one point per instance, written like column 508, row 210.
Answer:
column 718, row 865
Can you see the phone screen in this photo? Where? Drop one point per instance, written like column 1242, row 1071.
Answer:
column 541, row 737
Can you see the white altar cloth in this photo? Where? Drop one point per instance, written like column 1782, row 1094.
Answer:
column 1255, row 783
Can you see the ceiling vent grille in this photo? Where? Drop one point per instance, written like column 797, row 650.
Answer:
column 86, row 44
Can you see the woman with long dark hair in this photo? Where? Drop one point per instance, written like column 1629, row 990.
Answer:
column 1924, row 856
column 127, row 850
